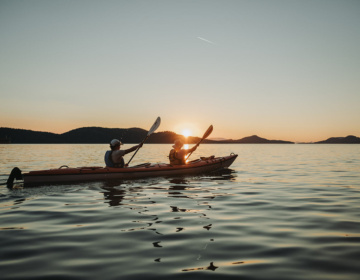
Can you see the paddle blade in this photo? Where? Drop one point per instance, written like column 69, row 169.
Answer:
column 208, row 132
column 154, row 126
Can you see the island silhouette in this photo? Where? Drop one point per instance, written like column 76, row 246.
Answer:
column 101, row 135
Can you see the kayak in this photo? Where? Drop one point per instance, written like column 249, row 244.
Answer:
column 95, row 173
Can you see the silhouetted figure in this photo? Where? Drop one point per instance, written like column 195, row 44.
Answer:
column 178, row 155
column 115, row 156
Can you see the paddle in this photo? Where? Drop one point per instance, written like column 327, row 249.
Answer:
column 151, row 131
column 206, row 134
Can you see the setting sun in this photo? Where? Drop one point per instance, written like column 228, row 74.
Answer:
column 186, row 132
column 186, row 129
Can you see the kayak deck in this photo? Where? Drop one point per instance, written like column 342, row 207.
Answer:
column 67, row 174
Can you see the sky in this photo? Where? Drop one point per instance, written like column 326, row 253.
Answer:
column 279, row 69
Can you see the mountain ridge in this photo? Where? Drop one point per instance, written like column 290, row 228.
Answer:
column 254, row 139
column 101, row 135
column 350, row 139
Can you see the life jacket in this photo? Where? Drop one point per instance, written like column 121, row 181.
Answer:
column 174, row 160
column 109, row 162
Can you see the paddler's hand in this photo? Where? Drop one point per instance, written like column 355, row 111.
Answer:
column 140, row 145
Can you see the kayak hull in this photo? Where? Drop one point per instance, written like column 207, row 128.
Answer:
column 107, row 173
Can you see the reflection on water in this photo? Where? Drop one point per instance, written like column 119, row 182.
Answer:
column 112, row 194
column 281, row 212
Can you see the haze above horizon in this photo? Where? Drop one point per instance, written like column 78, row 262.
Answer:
column 279, row 69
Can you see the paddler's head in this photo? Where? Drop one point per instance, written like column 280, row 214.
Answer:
column 115, row 144
column 178, row 144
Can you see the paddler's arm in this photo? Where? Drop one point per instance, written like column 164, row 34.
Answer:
column 183, row 153
column 193, row 148
column 133, row 148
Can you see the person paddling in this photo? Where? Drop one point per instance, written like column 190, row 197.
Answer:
column 115, row 156
column 177, row 155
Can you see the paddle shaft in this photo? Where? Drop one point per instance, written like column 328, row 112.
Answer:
column 152, row 129
column 206, row 134
column 138, row 148
column 192, row 152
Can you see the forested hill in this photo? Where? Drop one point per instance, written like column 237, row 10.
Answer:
column 89, row 135
column 257, row 140
column 351, row 139
column 100, row 135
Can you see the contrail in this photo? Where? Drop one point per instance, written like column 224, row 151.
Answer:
column 206, row 40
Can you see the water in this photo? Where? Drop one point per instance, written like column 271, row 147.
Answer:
column 282, row 212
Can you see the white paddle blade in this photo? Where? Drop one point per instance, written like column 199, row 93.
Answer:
column 208, row 132
column 154, row 126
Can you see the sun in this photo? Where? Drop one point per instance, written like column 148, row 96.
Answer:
column 186, row 129
column 186, row 132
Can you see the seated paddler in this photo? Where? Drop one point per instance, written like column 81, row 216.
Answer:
column 178, row 155
column 115, row 156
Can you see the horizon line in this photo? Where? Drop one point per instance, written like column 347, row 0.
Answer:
column 222, row 138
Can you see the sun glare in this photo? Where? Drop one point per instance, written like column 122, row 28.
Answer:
column 186, row 132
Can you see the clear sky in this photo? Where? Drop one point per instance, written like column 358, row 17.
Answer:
column 281, row 69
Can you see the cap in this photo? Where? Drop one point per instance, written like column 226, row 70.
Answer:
column 115, row 142
column 178, row 144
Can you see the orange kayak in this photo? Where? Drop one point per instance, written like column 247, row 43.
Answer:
column 95, row 173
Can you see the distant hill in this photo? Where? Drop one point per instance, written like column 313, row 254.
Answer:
column 89, row 135
column 218, row 139
column 254, row 139
column 29, row 136
column 100, row 135
column 341, row 140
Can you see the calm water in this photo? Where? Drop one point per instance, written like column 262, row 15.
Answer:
column 283, row 212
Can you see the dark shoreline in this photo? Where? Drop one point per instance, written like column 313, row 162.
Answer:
column 99, row 135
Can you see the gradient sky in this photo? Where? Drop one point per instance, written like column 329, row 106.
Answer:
column 281, row 69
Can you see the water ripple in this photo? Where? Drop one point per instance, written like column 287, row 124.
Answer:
column 284, row 212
